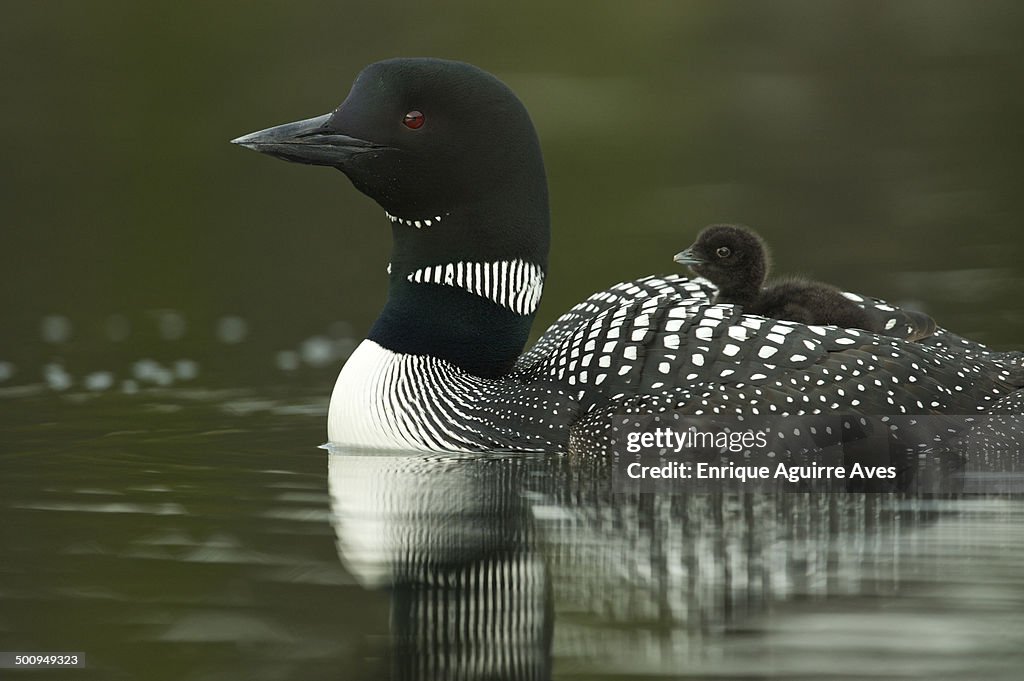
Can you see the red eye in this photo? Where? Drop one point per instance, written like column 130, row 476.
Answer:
column 414, row 120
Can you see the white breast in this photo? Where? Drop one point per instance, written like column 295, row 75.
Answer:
column 384, row 399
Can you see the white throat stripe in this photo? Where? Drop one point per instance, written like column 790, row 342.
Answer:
column 515, row 284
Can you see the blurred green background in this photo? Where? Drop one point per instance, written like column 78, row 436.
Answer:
column 876, row 145
column 185, row 532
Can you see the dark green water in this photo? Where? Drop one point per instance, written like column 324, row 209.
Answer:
column 176, row 309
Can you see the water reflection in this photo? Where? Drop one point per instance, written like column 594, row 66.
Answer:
column 453, row 539
column 530, row 568
column 197, row 541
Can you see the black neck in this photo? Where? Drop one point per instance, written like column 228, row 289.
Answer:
column 448, row 322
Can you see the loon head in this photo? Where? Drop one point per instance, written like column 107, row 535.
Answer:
column 732, row 257
column 451, row 155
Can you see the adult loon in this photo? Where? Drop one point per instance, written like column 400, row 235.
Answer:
column 451, row 155
column 735, row 260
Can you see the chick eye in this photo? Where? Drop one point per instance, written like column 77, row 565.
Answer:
column 414, row 120
column 723, row 252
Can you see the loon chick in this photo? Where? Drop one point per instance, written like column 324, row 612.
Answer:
column 451, row 156
column 735, row 259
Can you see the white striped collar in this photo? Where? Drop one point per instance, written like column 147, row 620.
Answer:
column 513, row 284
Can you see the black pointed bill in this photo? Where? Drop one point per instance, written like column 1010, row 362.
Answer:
column 311, row 141
column 688, row 257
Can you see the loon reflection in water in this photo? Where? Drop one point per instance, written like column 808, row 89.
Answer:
column 499, row 566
